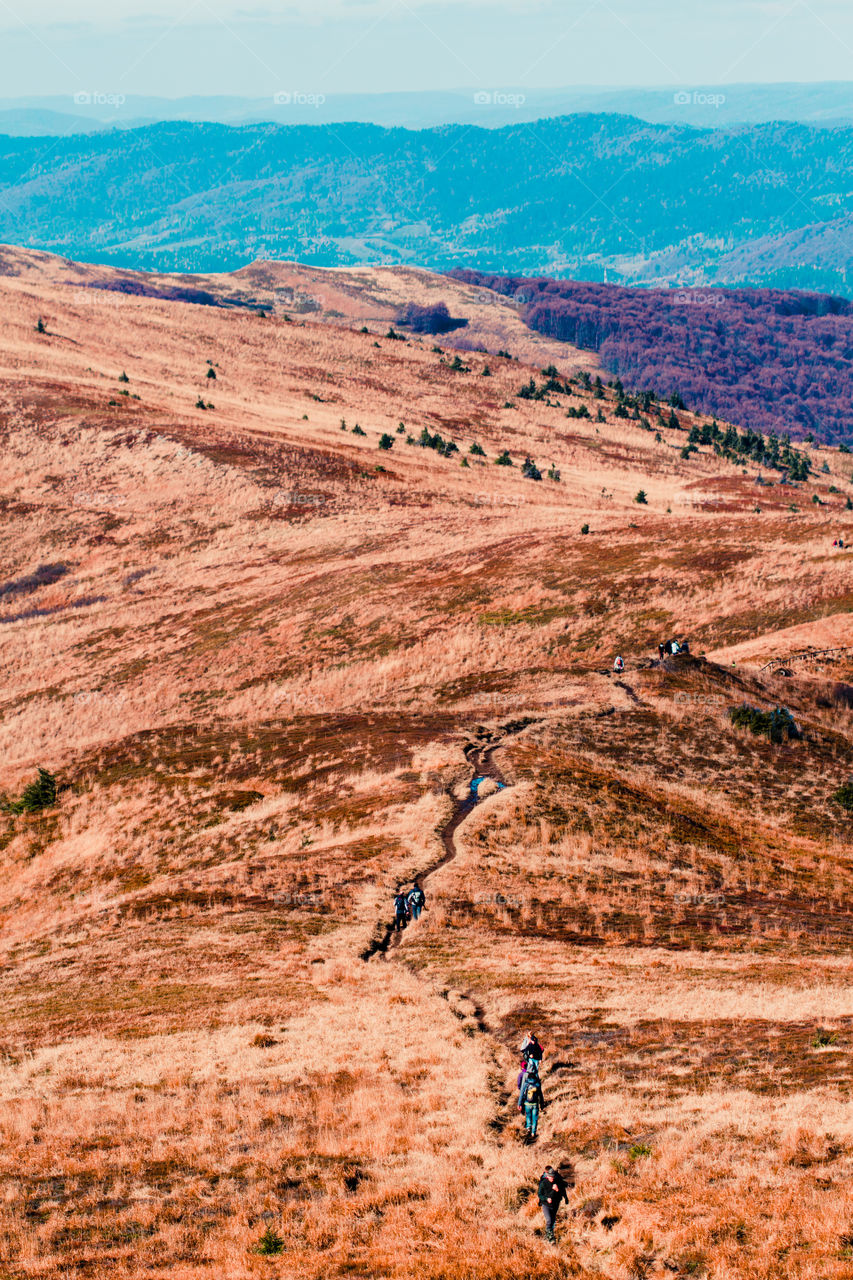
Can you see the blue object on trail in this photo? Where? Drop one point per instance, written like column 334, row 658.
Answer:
column 475, row 783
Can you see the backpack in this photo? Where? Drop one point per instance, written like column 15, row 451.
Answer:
column 531, row 1094
column 401, row 906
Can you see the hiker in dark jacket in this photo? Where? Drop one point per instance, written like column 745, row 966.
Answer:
column 531, row 1048
column 401, row 911
column 416, row 901
column 552, row 1190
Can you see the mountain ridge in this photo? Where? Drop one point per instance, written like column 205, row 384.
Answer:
column 591, row 196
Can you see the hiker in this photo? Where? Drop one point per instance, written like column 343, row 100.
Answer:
column 416, row 901
column 685, row 646
column 674, row 646
column 531, row 1048
column 401, row 911
column 528, row 1075
column 662, row 647
column 552, row 1189
column 618, row 665
column 533, row 1100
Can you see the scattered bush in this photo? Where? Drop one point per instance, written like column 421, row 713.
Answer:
column 430, row 319
column 357, row 431
column 478, row 450
column 441, row 446
column 270, row 1244
column 211, row 373
column 40, row 327
column 386, row 441
column 777, row 725
column 640, row 497
column 503, row 459
column 584, row 528
column 844, row 795
column 123, row 377
column 530, row 470
column 39, row 794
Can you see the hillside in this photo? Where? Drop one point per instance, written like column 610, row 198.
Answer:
column 264, row 658
column 767, row 359
column 591, row 196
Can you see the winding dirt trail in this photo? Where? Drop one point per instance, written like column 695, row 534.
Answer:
column 480, row 756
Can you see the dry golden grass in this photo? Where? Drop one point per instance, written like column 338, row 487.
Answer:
column 256, row 677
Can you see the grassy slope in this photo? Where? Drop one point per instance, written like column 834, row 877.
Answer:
column 256, row 724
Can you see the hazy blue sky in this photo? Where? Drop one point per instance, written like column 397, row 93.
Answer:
column 326, row 46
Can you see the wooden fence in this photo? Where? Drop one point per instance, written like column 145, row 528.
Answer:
column 806, row 656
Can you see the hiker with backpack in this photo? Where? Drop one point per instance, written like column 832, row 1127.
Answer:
column 528, row 1075
column 416, row 901
column 531, row 1048
column 533, row 1100
column 619, row 664
column 401, row 911
column 552, row 1191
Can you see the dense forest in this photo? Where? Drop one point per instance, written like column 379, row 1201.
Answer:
column 586, row 197
column 770, row 360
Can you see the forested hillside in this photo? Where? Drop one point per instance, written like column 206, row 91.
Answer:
column 588, row 196
column 770, row 360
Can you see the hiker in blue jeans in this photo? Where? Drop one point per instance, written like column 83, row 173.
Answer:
column 416, row 901
column 533, row 1100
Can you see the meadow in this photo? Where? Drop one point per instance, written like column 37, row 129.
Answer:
column 258, row 652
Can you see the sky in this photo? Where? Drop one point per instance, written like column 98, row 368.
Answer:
column 219, row 47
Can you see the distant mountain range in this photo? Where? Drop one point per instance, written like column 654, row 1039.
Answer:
column 594, row 197
column 490, row 106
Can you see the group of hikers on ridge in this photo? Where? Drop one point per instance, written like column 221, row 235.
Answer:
column 665, row 649
column 529, row 1085
column 408, row 906
column 553, row 1189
